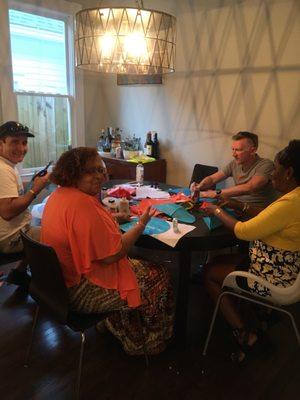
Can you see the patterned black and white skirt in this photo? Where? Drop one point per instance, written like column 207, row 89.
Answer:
column 277, row 266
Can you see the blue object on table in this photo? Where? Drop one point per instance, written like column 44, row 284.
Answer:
column 185, row 191
column 154, row 226
column 176, row 211
column 212, row 222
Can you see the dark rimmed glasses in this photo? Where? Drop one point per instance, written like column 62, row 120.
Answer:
column 96, row 170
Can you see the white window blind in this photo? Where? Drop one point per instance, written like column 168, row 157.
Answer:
column 38, row 48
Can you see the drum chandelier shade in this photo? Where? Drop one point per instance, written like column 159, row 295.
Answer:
column 125, row 40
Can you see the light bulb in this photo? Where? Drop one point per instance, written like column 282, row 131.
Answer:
column 135, row 46
column 107, row 45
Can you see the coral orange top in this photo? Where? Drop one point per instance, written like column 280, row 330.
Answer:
column 83, row 233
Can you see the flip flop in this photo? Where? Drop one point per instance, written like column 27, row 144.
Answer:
column 176, row 211
column 154, row 226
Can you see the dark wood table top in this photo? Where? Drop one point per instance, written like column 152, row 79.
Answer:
column 198, row 239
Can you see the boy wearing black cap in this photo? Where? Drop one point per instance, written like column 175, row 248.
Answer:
column 14, row 213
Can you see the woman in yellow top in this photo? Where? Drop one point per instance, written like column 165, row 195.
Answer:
column 275, row 243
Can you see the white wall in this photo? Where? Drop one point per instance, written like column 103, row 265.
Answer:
column 237, row 68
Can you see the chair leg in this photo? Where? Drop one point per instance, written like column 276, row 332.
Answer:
column 273, row 307
column 80, row 364
column 212, row 324
column 292, row 319
column 143, row 337
column 34, row 323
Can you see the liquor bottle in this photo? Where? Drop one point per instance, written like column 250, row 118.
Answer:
column 115, row 143
column 149, row 145
column 101, row 140
column 107, row 141
column 107, row 145
column 109, row 133
column 155, row 147
column 140, row 174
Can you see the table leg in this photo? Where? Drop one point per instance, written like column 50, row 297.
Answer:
column 181, row 316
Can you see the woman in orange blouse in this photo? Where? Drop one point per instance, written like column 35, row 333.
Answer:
column 93, row 255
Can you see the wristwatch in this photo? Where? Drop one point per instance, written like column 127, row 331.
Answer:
column 218, row 192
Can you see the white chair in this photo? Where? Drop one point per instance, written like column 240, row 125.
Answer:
column 279, row 298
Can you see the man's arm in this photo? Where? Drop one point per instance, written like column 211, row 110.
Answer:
column 255, row 183
column 13, row 206
column 208, row 181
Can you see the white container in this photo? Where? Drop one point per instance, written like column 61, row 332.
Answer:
column 175, row 225
column 113, row 207
column 124, row 206
column 140, row 174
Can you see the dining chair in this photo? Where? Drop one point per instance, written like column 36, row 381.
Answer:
column 7, row 258
column 47, row 287
column 279, row 298
column 201, row 171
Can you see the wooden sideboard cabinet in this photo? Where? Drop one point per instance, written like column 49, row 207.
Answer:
column 155, row 171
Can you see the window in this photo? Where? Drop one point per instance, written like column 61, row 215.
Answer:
column 45, row 93
column 38, row 47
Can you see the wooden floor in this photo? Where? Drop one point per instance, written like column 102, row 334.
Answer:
column 112, row 375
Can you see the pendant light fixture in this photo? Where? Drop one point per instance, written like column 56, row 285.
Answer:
column 125, row 40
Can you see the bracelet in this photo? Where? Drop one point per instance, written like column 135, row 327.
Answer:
column 217, row 211
column 33, row 193
column 245, row 208
column 141, row 223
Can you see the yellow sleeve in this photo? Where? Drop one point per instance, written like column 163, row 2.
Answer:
column 271, row 220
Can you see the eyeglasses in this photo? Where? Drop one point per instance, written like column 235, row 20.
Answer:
column 95, row 170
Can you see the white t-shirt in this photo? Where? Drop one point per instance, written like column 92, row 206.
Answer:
column 11, row 186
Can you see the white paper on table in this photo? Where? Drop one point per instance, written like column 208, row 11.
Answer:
column 170, row 237
column 143, row 192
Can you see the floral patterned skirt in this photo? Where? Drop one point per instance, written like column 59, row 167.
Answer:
column 156, row 311
column 277, row 266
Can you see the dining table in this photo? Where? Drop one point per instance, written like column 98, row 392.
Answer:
column 199, row 239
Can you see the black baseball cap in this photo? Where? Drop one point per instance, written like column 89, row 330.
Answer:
column 12, row 128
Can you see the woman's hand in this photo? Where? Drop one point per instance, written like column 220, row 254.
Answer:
column 146, row 216
column 209, row 208
column 121, row 217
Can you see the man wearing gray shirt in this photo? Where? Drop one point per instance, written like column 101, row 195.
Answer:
column 251, row 174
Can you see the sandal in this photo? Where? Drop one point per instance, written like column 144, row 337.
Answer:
column 248, row 346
